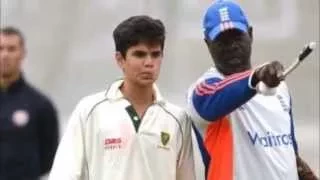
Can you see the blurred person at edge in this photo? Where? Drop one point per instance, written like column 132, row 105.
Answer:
column 128, row 131
column 28, row 119
column 248, row 136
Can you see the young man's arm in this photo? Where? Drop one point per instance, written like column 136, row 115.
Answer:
column 185, row 164
column 69, row 160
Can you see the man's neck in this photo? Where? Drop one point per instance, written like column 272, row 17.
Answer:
column 230, row 71
column 7, row 81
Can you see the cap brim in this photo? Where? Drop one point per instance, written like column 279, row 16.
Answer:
column 217, row 30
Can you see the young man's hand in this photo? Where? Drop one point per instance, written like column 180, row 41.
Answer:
column 304, row 171
column 271, row 74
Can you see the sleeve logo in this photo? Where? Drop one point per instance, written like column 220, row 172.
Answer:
column 165, row 137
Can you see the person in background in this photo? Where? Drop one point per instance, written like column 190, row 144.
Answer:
column 28, row 119
column 248, row 136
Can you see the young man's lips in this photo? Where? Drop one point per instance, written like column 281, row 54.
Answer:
column 147, row 75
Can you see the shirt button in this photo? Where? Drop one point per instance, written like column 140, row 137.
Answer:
column 135, row 118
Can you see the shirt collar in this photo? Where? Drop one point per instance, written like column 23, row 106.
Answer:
column 114, row 93
column 15, row 85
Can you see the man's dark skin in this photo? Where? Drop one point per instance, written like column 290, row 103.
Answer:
column 231, row 52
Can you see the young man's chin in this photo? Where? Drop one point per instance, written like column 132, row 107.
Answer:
column 146, row 82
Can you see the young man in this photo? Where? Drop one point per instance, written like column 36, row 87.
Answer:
column 128, row 131
column 248, row 136
column 28, row 119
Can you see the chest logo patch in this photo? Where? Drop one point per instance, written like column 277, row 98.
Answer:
column 112, row 143
column 165, row 137
column 20, row 118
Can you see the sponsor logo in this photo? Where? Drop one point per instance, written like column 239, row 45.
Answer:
column 112, row 143
column 243, row 107
column 270, row 140
column 283, row 104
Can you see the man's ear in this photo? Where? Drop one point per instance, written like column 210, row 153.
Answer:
column 206, row 41
column 120, row 59
column 209, row 44
column 23, row 52
column 250, row 31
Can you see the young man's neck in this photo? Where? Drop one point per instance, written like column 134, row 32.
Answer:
column 138, row 95
column 7, row 81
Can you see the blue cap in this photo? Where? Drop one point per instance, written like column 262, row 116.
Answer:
column 223, row 15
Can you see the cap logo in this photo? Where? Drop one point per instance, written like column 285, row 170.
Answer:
column 225, row 19
column 224, row 14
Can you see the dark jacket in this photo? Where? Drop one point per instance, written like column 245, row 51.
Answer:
column 28, row 132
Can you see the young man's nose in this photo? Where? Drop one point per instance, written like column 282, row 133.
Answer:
column 149, row 61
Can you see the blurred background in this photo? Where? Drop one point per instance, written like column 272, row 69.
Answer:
column 71, row 50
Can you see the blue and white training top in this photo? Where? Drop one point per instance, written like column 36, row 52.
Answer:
column 248, row 136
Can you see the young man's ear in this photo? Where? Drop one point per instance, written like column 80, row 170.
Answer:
column 120, row 59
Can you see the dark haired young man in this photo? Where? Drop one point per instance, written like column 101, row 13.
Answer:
column 129, row 131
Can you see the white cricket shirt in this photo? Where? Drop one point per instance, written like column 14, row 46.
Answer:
column 104, row 140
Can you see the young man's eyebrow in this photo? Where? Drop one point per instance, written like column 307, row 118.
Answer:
column 139, row 53
column 156, row 53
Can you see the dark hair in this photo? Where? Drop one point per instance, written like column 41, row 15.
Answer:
column 10, row 30
column 137, row 29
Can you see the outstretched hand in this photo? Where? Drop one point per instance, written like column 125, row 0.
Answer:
column 270, row 74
